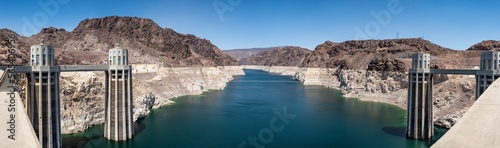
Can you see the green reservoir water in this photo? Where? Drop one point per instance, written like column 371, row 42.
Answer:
column 263, row 109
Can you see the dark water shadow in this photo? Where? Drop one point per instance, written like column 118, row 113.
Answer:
column 401, row 132
column 90, row 140
column 395, row 131
column 79, row 142
column 138, row 128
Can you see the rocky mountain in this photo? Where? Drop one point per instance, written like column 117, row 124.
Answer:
column 486, row 45
column 52, row 35
column 371, row 54
column 21, row 43
column 147, row 42
column 279, row 56
column 243, row 53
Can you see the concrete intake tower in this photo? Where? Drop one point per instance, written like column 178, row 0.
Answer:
column 42, row 95
column 118, row 101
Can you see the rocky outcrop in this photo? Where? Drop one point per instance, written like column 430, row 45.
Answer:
column 147, row 42
column 390, row 65
column 21, row 47
column 452, row 99
column 52, row 35
column 316, row 76
column 82, row 94
column 82, row 101
column 359, row 54
column 486, row 45
column 143, row 106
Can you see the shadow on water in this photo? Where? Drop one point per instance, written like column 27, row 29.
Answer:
column 94, row 137
column 79, row 142
column 139, row 127
column 438, row 133
column 401, row 132
column 395, row 131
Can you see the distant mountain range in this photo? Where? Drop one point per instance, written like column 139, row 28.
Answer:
column 243, row 53
column 373, row 55
column 278, row 56
column 147, row 42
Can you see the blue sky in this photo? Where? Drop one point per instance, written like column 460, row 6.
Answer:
column 230, row 24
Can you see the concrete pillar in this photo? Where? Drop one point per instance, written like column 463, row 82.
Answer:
column 119, row 104
column 489, row 72
column 42, row 96
column 419, row 111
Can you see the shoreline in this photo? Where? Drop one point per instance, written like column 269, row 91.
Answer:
column 363, row 98
column 452, row 96
column 346, row 94
column 285, row 70
column 354, row 96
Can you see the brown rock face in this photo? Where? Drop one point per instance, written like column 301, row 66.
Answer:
column 376, row 54
column 280, row 56
column 486, row 45
column 381, row 64
column 147, row 42
column 52, row 35
column 22, row 48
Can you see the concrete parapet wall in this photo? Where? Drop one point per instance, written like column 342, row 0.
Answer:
column 479, row 127
column 25, row 136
